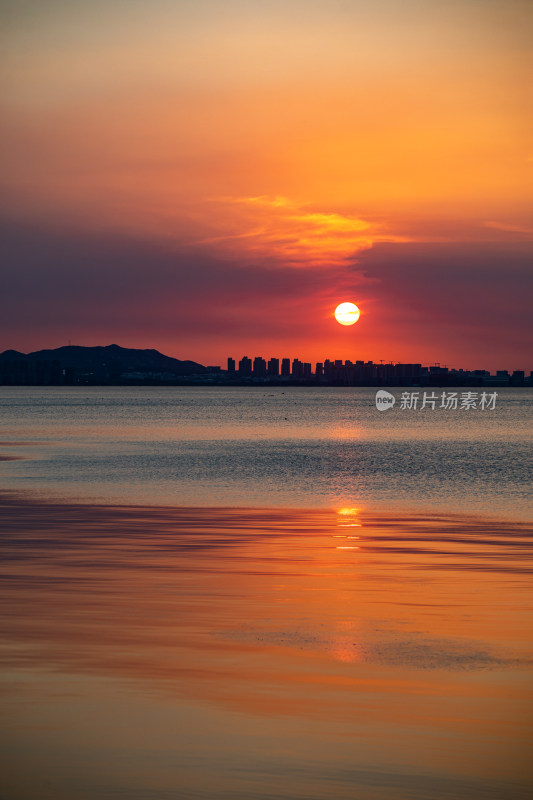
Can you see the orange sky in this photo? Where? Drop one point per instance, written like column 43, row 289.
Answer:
column 344, row 141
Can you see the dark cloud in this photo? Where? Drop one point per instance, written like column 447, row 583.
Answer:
column 474, row 295
column 477, row 281
column 52, row 280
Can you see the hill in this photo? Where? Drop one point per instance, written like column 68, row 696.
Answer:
column 109, row 359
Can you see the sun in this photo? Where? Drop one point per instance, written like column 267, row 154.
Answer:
column 347, row 313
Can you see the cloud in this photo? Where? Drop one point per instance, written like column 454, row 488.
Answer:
column 114, row 285
column 293, row 232
column 509, row 228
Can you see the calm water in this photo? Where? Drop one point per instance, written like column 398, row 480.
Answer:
column 294, row 447
column 280, row 595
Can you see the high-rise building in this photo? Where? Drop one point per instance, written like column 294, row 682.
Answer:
column 231, row 366
column 245, row 367
column 259, row 367
column 297, row 368
column 319, row 369
column 273, row 368
column 286, row 367
column 407, row 372
column 307, row 370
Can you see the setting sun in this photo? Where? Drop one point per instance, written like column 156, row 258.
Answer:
column 347, row 313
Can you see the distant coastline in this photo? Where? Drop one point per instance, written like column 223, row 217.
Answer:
column 113, row 365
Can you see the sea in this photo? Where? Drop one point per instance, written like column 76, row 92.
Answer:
column 265, row 593
column 296, row 447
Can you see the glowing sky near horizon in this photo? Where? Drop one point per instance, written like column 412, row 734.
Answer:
column 267, row 161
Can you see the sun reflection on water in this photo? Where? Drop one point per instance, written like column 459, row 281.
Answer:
column 347, row 518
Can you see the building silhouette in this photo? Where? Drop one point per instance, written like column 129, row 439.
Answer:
column 273, row 368
column 259, row 367
column 297, row 368
column 245, row 367
column 367, row 373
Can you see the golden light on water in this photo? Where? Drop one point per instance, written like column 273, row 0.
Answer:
column 347, row 518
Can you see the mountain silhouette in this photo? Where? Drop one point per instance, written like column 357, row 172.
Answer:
column 111, row 358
